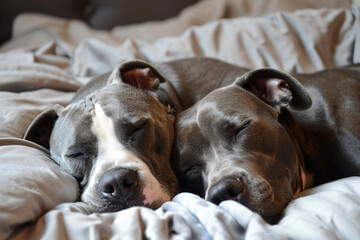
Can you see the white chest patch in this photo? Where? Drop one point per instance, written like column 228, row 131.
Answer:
column 112, row 154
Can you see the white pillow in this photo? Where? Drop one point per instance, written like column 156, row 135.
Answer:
column 31, row 184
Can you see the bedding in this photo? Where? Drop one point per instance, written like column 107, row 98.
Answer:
column 49, row 58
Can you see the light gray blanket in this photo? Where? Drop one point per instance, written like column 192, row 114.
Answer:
column 38, row 200
column 329, row 212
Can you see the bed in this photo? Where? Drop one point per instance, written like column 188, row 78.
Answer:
column 49, row 58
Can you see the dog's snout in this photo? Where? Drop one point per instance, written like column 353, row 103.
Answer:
column 119, row 183
column 226, row 189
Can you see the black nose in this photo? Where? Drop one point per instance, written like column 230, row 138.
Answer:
column 119, row 183
column 226, row 189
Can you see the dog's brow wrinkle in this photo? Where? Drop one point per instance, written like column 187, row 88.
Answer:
column 207, row 106
column 187, row 122
column 214, row 110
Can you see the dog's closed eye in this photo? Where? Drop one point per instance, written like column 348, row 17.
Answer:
column 136, row 131
column 240, row 130
column 77, row 156
column 193, row 171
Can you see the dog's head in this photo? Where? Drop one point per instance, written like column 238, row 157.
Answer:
column 116, row 141
column 231, row 145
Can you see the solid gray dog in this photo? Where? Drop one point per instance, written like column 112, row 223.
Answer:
column 270, row 135
column 116, row 135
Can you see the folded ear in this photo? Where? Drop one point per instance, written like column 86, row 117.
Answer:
column 137, row 73
column 41, row 127
column 276, row 88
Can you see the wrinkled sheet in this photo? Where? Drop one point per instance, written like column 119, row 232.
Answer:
column 330, row 211
column 38, row 200
column 36, row 30
column 302, row 41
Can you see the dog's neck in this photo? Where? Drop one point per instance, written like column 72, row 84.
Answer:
column 306, row 153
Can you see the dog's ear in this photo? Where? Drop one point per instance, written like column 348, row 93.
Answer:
column 139, row 74
column 276, row 88
column 41, row 127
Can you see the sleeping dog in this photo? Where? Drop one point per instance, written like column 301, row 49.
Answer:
column 116, row 135
column 268, row 136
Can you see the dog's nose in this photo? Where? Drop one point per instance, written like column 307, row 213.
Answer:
column 119, row 183
column 226, row 189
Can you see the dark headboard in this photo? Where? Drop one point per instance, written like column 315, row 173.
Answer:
column 99, row 14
